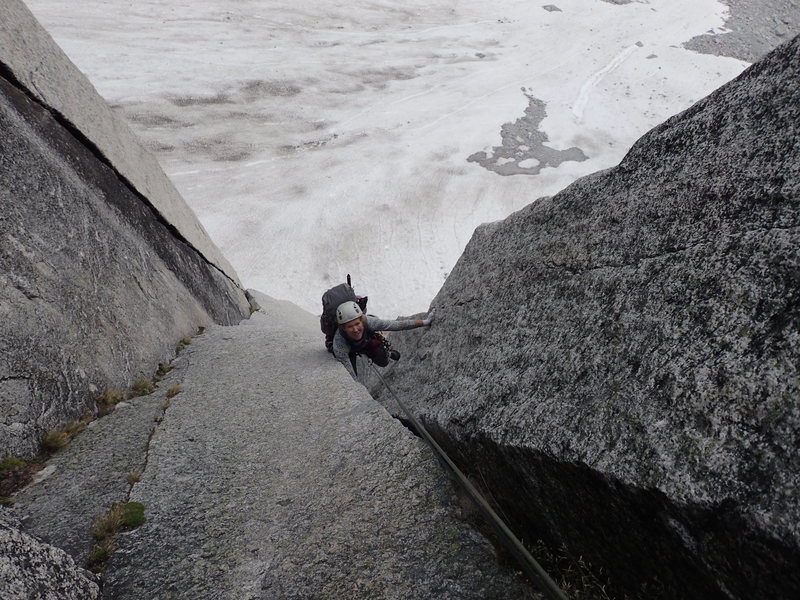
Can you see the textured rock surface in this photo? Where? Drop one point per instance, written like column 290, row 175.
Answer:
column 274, row 475
column 83, row 481
column 30, row 569
column 754, row 28
column 95, row 289
column 29, row 55
column 620, row 361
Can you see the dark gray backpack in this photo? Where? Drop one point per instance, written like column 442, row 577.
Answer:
column 330, row 302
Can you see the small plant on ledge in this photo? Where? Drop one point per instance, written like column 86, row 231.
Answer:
column 120, row 517
column 108, row 400
column 142, row 387
column 183, row 343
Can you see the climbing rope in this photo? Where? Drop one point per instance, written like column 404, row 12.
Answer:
column 529, row 565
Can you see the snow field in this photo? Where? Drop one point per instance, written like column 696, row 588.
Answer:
column 316, row 139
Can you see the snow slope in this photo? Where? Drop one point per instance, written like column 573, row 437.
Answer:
column 319, row 138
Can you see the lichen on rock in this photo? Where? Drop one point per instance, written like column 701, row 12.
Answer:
column 30, row 568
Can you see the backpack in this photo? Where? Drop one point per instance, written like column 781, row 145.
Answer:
column 331, row 300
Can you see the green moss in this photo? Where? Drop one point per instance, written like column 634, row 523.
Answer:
column 12, row 462
column 133, row 515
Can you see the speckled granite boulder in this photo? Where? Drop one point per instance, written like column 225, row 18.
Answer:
column 30, row 569
column 96, row 286
column 620, row 361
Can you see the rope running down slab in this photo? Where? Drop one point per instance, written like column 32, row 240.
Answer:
column 529, row 564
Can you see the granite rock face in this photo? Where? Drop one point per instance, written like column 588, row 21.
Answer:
column 30, row 56
column 274, row 476
column 96, row 287
column 32, row 569
column 81, row 482
column 754, row 28
column 620, row 362
column 269, row 474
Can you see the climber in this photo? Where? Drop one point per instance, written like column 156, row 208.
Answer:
column 360, row 334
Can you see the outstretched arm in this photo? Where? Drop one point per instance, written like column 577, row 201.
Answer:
column 377, row 324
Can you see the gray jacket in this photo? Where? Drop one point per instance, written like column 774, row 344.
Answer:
column 341, row 345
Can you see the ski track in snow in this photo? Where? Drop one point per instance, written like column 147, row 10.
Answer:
column 586, row 89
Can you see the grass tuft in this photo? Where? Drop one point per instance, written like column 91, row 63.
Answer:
column 162, row 371
column 108, row 400
column 99, row 554
column 142, row 387
column 576, row 577
column 15, row 473
column 73, row 428
column 111, row 397
column 54, row 440
column 134, row 477
column 107, row 525
column 120, row 517
column 174, row 391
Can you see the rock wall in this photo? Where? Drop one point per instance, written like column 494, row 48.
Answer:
column 29, row 55
column 96, row 283
column 30, row 569
column 619, row 363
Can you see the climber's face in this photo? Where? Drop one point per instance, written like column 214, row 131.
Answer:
column 354, row 329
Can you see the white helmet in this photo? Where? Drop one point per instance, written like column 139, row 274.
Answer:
column 347, row 311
